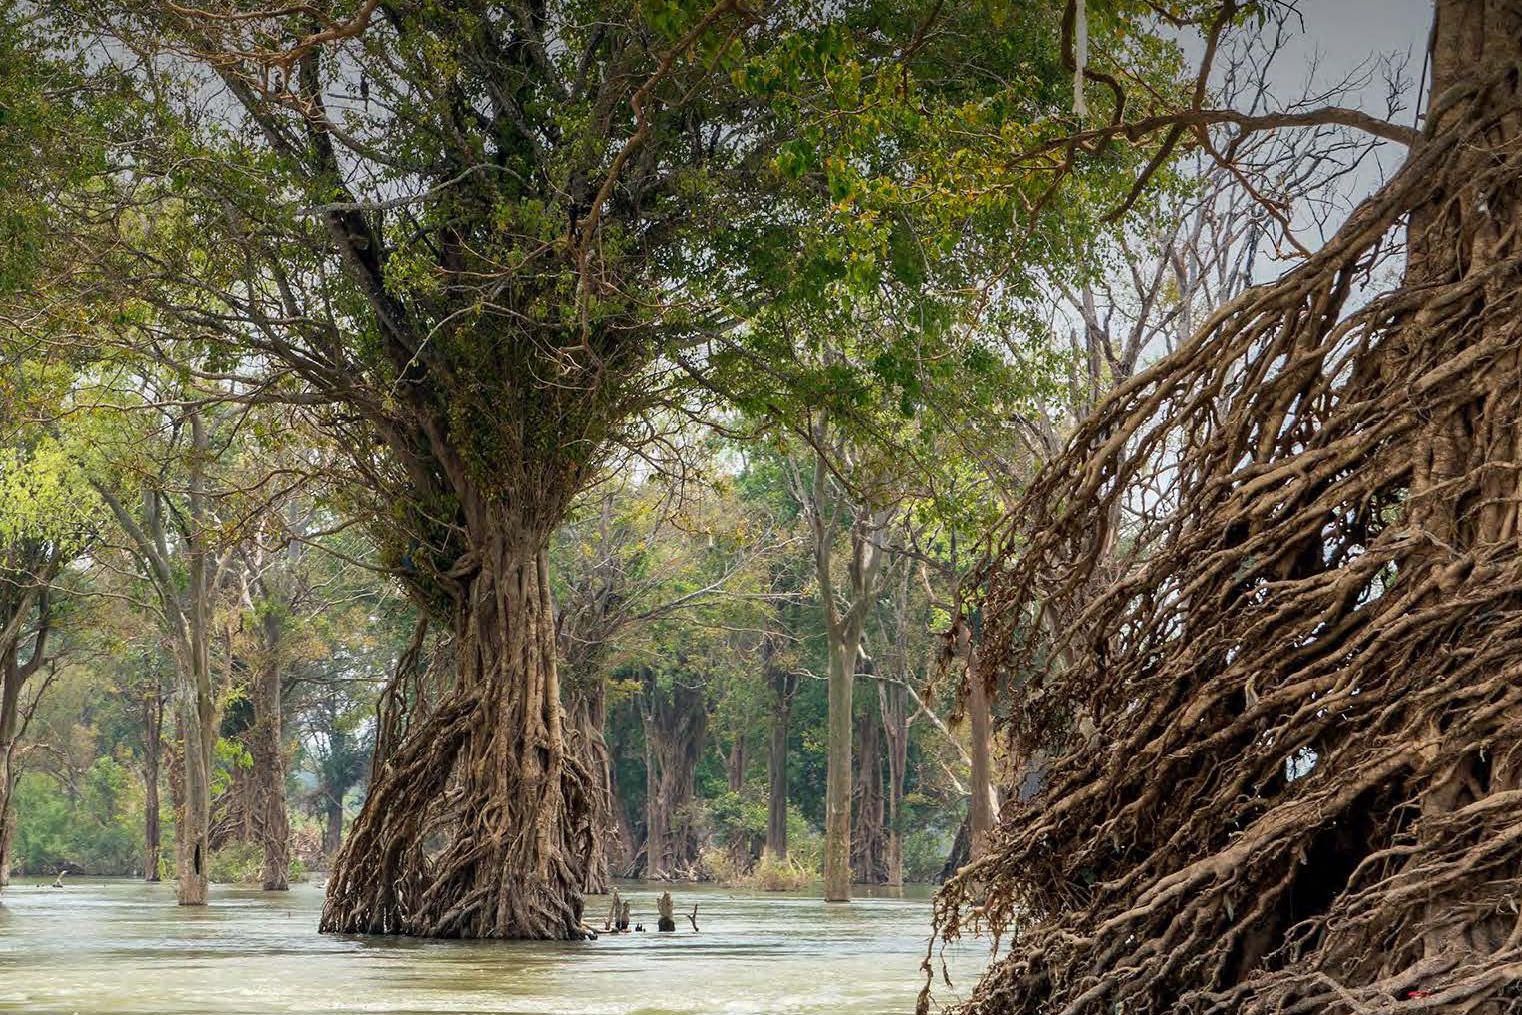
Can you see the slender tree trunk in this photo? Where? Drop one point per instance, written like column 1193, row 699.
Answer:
column 734, row 765
column 333, row 826
column 837, row 808
column 893, row 705
column 271, row 824
column 782, row 684
column 10, row 692
column 153, row 732
column 484, row 775
column 980, row 723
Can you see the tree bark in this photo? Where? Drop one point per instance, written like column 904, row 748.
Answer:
column 980, row 735
column 10, row 691
column 333, row 825
column 153, row 733
column 892, row 701
column 869, row 839
column 782, row 686
column 272, row 826
column 484, row 775
column 587, row 717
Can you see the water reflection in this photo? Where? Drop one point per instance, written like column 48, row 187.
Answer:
column 125, row 947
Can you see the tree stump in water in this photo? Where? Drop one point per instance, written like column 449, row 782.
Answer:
column 623, row 917
column 666, row 922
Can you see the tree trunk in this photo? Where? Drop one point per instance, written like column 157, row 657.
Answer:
column 272, row 827
column 980, row 723
column 7, row 813
column 837, row 807
column 892, row 701
column 10, row 692
column 193, row 821
column 868, row 839
column 153, row 732
column 734, row 764
column 478, row 822
column 782, row 685
column 333, row 826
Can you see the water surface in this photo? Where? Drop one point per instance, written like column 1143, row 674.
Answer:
column 120, row 946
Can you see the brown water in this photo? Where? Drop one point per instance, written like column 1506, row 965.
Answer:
column 125, row 947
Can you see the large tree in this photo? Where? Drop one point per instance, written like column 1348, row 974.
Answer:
column 1287, row 716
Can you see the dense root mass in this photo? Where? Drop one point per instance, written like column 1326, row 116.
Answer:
column 478, row 819
column 1286, row 703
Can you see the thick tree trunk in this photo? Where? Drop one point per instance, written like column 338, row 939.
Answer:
column 869, row 837
column 782, row 684
column 478, row 822
column 153, row 732
column 271, row 825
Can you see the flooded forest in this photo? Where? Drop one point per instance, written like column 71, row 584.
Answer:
column 761, row 506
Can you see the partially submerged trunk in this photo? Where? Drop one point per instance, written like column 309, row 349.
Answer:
column 153, row 739
column 782, row 685
column 869, row 861
column 478, row 821
column 267, row 807
column 980, row 747
column 893, row 706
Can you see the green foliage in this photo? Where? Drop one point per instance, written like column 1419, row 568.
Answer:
column 242, row 863
column 96, row 827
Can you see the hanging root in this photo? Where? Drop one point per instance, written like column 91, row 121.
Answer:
column 1283, row 700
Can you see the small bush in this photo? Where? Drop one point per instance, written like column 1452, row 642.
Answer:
column 778, row 874
column 237, row 863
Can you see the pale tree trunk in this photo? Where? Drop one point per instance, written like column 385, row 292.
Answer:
column 844, row 624
column 187, row 607
column 7, row 811
column 981, row 783
column 18, row 605
column 892, row 702
column 153, row 735
column 782, row 685
column 271, row 824
column 478, row 822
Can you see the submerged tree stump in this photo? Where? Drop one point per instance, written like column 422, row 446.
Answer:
column 666, row 922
